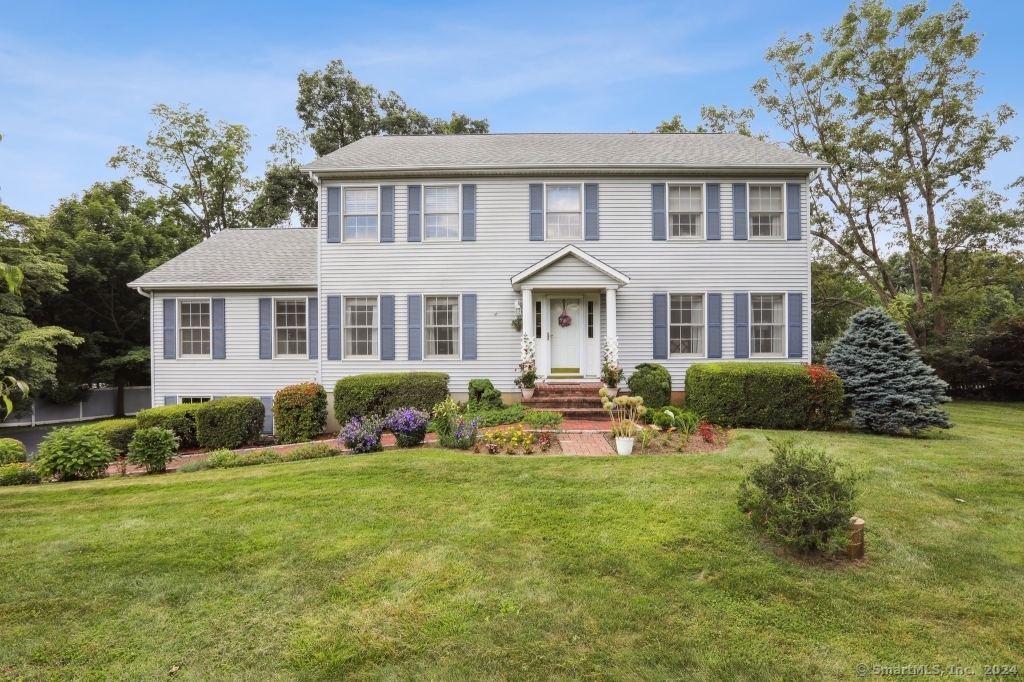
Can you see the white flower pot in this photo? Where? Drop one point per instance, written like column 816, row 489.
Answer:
column 624, row 446
column 612, row 392
column 528, row 393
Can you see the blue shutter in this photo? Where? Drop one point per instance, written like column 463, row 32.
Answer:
column 714, row 325
column 413, row 229
column 266, row 328
column 170, row 335
column 415, row 327
column 793, row 227
column 268, row 413
column 536, row 213
column 741, row 317
column 217, row 328
column 312, row 328
column 469, row 213
column 661, row 326
column 659, row 231
column 333, row 214
column 170, row 400
column 592, row 226
column 714, row 199
column 334, row 327
column 739, row 211
column 469, row 326
column 387, row 213
column 387, row 327
column 796, row 324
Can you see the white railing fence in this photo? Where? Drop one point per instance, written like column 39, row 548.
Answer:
column 102, row 402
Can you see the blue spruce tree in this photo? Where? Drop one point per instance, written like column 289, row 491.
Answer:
column 892, row 391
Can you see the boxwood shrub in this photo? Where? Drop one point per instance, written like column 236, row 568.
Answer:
column 766, row 395
column 178, row 418
column 12, row 451
column 117, row 432
column 229, row 422
column 653, row 383
column 300, row 412
column 377, row 394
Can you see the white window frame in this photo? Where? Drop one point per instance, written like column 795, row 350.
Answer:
column 750, row 214
column 458, row 329
column 345, row 327
column 703, row 231
column 345, row 214
column 704, row 325
column 750, row 324
column 177, row 312
column 582, row 212
column 200, row 398
column 458, row 214
column 274, row 327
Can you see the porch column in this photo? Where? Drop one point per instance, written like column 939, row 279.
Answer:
column 528, row 321
column 610, row 310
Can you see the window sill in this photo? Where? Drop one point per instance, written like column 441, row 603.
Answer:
column 686, row 356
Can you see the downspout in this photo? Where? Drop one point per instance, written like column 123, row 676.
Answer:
column 320, row 306
column 152, row 359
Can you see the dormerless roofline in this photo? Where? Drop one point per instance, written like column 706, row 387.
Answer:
column 550, row 169
column 222, row 285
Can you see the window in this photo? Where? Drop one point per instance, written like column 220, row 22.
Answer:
column 765, row 211
column 537, row 318
column 441, row 210
column 686, row 325
column 685, row 211
column 290, row 326
column 590, row 319
column 194, row 399
column 361, row 327
column 361, row 214
column 767, row 328
column 195, row 327
column 442, row 326
column 563, row 217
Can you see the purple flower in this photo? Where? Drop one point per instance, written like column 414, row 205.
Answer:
column 406, row 420
column 362, row 434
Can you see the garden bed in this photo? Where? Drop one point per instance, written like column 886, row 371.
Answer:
column 675, row 442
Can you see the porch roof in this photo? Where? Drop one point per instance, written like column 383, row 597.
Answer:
column 587, row 273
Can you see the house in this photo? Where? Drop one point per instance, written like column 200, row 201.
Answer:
column 683, row 247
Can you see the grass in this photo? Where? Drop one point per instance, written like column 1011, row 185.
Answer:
column 425, row 564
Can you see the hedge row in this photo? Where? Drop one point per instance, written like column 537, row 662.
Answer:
column 221, row 423
column 377, row 394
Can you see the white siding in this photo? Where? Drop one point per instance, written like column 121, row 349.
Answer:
column 569, row 271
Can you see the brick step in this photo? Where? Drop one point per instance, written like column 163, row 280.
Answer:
column 589, row 389
column 583, row 413
column 561, row 401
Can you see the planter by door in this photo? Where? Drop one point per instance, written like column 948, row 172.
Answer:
column 528, row 393
column 612, row 392
column 624, row 446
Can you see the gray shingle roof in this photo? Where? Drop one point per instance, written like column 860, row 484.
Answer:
column 540, row 150
column 272, row 257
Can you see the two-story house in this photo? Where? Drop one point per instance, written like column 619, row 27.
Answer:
column 682, row 247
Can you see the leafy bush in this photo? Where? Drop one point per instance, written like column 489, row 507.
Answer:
column 409, row 426
column 117, row 432
column 311, row 451
column 509, row 414
column 802, row 499
column 229, row 422
column 539, row 419
column 483, row 395
column 671, row 417
column 300, row 412
column 71, row 453
column 194, row 465
column 377, row 394
column 653, row 383
column 463, row 435
column 363, row 434
column 178, row 418
column 12, row 451
column 766, row 395
column 152, row 448
column 18, row 473
column 229, row 459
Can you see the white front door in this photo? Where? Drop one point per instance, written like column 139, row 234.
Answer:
column 565, row 341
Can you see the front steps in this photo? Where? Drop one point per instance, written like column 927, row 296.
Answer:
column 579, row 400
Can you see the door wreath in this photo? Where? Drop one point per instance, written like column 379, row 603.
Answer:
column 564, row 320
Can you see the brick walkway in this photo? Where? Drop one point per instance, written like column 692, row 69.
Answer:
column 593, row 444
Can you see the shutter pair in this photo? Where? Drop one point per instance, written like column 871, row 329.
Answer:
column 739, row 211
column 415, row 214
column 266, row 333
column 217, row 338
column 386, row 217
column 469, row 327
column 387, row 327
column 713, row 203
column 414, row 230
column 714, row 326
column 591, row 214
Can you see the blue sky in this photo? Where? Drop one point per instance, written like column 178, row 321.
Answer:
column 77, row 80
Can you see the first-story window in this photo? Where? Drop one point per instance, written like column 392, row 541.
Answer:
column 361, row 214
column 290, row 324
column 361, row 327
column 685, row 210
column 767, row 324
column 563, row 212
column 441, row 212
column 537, row 318
column 765, row 211
column 194, row 399
column 195, row 327
column 442, row 326
column 686, row 325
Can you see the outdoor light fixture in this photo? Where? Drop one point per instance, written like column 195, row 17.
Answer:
column 518, row 308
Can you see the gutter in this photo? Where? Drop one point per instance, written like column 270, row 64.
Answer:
column 542, row 169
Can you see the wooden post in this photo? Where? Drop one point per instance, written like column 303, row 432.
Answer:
column 855, row 546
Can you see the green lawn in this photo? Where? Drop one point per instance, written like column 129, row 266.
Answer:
column 433, row 565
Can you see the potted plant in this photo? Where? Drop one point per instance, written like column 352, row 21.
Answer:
column 527, row 379
column 611, row 372
column 625, row 412
column 517, row 323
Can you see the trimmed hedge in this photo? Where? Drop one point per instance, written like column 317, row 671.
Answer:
column 178, row 418
column 377, row 394
column 229, row 422
column 12, row 451
column 117, row 433
column 765, row 395
column 300, row 412
column 484, row 396
column 653, row 383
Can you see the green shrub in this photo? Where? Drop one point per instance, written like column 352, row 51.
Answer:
column 229, row 459
column 509, row 414
column 539, row 419
column 116, row 432
column 194, row 465
column 18, row 473
column 766, row 395
column 152, row 448
column 229, row 422
column 671, row 417
column 802, row 499
column 12, row 451
column 300, row 412
column 311, row 451
column 73, row 453
column 653, row 383
column 484, row 396
column 377, row 394
column 178, row 418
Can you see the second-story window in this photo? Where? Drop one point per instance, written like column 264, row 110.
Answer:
column 441, row 210
column 765, row 211
column 563, row 212
column 195, row 328
column 361, row 214
column 685, row 211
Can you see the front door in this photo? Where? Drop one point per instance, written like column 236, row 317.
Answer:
column 565, row 338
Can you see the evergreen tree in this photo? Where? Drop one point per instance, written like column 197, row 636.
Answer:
column 891, row 389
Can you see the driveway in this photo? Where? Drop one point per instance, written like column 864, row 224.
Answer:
column 32, row 436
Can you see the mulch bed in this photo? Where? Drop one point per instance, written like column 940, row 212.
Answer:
column 668, row 443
